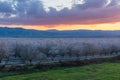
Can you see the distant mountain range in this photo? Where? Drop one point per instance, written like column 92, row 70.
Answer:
column 29, row 33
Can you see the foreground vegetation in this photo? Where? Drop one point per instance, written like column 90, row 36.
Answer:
column 104, row 71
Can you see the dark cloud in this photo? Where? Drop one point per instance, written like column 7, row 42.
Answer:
column 92, row 4
column 31, row 12
column 5, row 7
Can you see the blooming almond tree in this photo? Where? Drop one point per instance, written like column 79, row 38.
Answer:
column 29, row 53
column 4, row 51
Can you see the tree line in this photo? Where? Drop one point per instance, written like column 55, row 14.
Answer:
column 51, row 50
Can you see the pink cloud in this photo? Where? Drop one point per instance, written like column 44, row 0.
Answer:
column 32, row 13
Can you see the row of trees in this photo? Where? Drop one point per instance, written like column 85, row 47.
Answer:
column 51, row 50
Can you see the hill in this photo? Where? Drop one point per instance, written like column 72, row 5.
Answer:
column 29, row 33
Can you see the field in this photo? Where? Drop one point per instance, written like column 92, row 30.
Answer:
column 15, row 51
column 51, row 58
column 104, row 71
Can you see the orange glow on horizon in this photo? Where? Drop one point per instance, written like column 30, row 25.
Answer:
column 108, row 26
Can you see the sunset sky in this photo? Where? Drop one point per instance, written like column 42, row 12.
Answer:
column 61, row 14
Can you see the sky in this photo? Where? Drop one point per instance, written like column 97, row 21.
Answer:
column 61, row 14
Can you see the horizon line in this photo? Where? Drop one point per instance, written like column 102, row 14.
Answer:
column 57, row 29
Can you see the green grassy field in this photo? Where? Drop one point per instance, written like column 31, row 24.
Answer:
column 104, row 71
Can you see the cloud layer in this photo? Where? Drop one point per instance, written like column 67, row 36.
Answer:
column 32, row 12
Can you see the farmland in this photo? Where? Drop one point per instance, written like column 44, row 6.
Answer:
column 59, row 58
column 21, row 51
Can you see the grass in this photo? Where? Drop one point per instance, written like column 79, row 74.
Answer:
column 104, row 71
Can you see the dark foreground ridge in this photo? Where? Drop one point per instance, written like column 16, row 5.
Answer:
column 29, row 33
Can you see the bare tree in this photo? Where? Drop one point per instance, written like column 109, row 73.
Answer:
column 53, row 53
column 17, row 49
column 114, row 49
column 4, row 51
column 105, row 49
column 29, row 53
column 45, row 49
column 70, row 51
column 41, row 57
column 88, row 49
column 62, row 51
column 77, row 49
